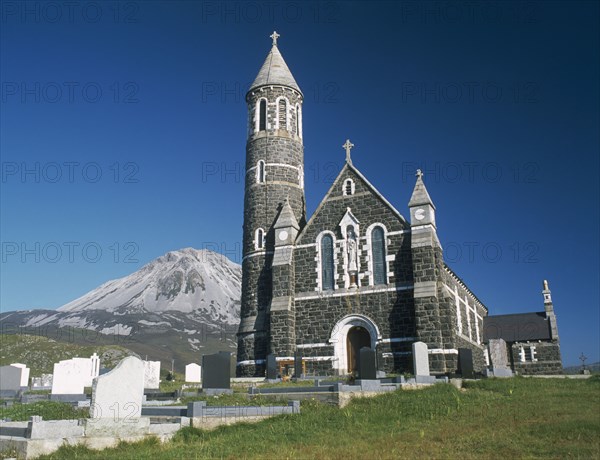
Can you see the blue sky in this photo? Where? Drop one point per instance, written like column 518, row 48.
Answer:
column 123, row 130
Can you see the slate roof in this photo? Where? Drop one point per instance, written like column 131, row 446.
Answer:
column 275, row 71
column 517, row 328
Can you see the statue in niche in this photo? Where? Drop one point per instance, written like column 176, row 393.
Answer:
column 352, row 249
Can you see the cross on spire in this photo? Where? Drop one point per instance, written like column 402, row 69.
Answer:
column 274, row 36
column 348, row 146
column 419, row 174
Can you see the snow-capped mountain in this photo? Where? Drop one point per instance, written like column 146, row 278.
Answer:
column 187, row 281
column 178, row 304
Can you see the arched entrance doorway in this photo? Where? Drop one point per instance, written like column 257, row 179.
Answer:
column 357, row 338
column 341, row 342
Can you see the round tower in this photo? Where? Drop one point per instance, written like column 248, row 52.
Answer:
column 274, row 173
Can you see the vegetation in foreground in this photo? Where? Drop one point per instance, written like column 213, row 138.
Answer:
column 510, row 418
column 49, row 410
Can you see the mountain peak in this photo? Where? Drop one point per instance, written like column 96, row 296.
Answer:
column 186, row 280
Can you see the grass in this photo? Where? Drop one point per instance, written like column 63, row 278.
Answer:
column 49, row 410
column 509, row 418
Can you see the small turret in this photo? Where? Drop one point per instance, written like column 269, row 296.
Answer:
column 549, row 307
column 422, row 209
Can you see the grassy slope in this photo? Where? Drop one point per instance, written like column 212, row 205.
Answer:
column 40, row 353
column 512, row 418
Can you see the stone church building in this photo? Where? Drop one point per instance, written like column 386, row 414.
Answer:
column 356, row 273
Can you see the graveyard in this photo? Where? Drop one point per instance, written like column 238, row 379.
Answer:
column 84, row 410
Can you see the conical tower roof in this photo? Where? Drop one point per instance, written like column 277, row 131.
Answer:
column 275, row 71
column 420, row 195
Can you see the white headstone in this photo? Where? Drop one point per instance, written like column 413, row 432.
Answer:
column 420, row 359
column 193, row 373
column 24, row 373
column 152, row 375
column 118, row 394
column 10, row 378
column 71, row 376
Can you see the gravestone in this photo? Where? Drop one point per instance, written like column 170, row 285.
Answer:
column 499, row 358
column 193, row 373
column 70, row 376
column 24, row 373
column 118, row 394
column 152, row 375
column 42, row 383
column 298, row 371
column 465, row 363
column 10, row 380
column 271, row 367
column 420, row 359
column 216, row 370
column 367, row 364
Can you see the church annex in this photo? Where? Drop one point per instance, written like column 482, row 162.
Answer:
column 356, row 273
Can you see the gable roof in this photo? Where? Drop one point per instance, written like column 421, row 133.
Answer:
column 518, row 327
column 350, row 167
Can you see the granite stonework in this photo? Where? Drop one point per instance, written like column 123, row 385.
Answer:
column 465, row 363
column 217, row 371
column 367, row 364
column 401, row 291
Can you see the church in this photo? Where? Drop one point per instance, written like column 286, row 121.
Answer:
column 356, row 273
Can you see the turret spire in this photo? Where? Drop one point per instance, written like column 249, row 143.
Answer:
column 275, row 71
column 420, row 196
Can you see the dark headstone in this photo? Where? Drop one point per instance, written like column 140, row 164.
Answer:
column 465, row 363
column 367, row 367
column 298, row 364
column 216, row 370
column 271, row 367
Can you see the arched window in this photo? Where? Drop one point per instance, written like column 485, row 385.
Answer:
column 260, row 172
column 348, row 187
column 259, row 238
column 262, row 115
column 378, row 252
column 282, row 113
column 327, row 262
column 297, row 120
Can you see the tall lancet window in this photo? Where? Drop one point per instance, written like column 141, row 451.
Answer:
column 378, row 252
column 260, row 172
column 262, row 115
column 327, row 262
column 297, row 120
column 282, row 113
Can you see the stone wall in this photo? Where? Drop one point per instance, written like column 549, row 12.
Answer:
column 548, row 357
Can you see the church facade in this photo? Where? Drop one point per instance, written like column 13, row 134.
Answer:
column 354, row 274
